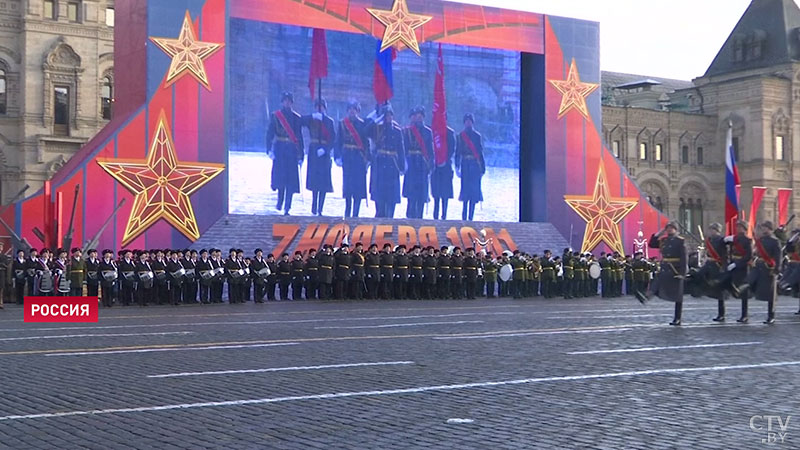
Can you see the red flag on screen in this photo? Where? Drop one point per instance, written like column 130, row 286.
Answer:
column 439, row 113
column 319, row 60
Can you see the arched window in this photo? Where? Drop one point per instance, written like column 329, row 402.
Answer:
column 685, row 154
column 697, row 213
column 685, row 212
column 3, row 92
column 106, row 98
column 699, row 156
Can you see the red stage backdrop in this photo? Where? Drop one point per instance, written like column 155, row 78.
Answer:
column 165, row 153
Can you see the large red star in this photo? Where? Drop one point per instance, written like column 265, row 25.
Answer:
column 400, row 25
column 187, row 53
column 162, row 185
column 573, row 92
column 602, row 214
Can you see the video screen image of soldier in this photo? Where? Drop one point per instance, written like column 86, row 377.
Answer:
column 377, row 134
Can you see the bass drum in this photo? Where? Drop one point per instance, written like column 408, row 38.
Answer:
column 506, row 272
column 595, row 270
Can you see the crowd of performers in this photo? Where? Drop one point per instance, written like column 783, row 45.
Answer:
column 379, row 143
column 735, row 266
column 393, row 272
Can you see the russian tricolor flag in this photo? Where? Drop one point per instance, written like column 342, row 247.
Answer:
column 732, row 184
column 382, row 82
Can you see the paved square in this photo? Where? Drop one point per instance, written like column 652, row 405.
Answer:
column 590, row 373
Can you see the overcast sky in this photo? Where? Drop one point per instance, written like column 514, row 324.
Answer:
column 663, row 38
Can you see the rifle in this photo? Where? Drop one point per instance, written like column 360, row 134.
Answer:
column 94, row 240
column 67, row 243
column 17, row 242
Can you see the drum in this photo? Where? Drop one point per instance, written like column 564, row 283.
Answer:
column 190, row 274
column 146, row 278
column 218, row 272
column 109, row 275
column 129, row 275
column 64, row 285
column 506, row 272
column 206, row 274
column 92, row 274
column 261, row 275
column 595, row 270
column 46, row 282
column 178, row 274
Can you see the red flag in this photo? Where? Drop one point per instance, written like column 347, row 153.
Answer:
column 758, row 195
column 319, row 60
column 439, row 113
column 783, row 205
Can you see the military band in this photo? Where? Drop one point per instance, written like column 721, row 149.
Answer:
column 732, row 267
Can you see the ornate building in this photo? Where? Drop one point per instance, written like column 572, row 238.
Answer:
column 56, row 85
column 671, row 134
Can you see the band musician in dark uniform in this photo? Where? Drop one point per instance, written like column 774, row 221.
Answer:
column 318, row 170
column 762, row 280
column 418, row 142
column 352, row 153
column 470, row 166
column 285, row 147
column 668, row 282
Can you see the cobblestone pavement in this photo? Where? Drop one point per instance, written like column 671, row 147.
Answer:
column 402, row 374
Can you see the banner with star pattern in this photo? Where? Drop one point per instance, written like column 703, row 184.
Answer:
column 165, row 148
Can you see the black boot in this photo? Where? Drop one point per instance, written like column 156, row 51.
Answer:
column 720, row 311
column 676, row 321
column 744, row 318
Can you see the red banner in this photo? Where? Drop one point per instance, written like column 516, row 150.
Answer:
column 784, row 195
column 319, row 60
column 758, row 195
column 439, row 114
column 61, row 309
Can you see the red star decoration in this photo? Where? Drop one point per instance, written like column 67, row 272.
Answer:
column 187, row 53
column 602, row 214
column 162, row 185
column 573, row 92
column 400, row 25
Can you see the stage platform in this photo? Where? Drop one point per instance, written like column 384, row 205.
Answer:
column 276, row 234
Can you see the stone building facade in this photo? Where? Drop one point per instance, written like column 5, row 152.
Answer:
column 671, row 134
column 56, row 85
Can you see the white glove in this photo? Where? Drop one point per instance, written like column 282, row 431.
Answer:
column 271, row 154
column 728, row 239
column 317, row 116
column 320, row 151
column 339, row 162
column 371, row 116
column 378, row 120
column 731, row 266
column 458, row 173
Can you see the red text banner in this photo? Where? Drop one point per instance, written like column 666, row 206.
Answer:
column 61, row 309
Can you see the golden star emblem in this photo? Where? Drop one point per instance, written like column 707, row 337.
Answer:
column 187, row 53
column 573, row 92
column 162, row 185
column 400, row 25
column 602, row 214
